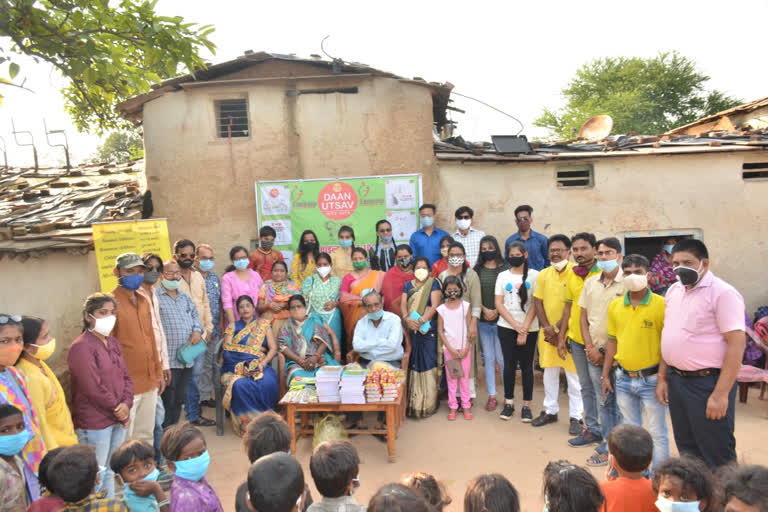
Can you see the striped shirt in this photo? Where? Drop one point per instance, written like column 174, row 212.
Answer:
column 180, row 320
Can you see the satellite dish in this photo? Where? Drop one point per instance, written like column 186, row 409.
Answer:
column 596, row 128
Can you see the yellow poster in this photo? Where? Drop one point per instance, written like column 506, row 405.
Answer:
column 111, row 239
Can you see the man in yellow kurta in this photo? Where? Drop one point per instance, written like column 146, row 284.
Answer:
column 549, row 299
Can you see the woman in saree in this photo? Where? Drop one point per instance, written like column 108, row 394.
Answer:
column 274, row 295
column 321, row 293
column 353, row 286
column 251, row 384
column 395, row 279
column 420, row 299
column 306, row 342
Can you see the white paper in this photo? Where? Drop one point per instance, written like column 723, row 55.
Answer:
column 275, row 200
column 283, row 229
column 401, row 194
column 403, row 224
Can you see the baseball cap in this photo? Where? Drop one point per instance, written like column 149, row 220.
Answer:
column 129, row 260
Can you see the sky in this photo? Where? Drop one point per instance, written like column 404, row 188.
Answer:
column 514, row 55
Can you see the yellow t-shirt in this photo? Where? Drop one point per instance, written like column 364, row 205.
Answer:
column 299, row 272
column 341, row 261
column 573, row 286
column 637, row 331
column 550, row 289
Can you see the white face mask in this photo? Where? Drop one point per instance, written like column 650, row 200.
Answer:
column 463, row 223
column 421, row 274
column 455, row 261
column 323, row 271
column 560, row 265
column 104, row 325
column 635, row 283
column 665, row 505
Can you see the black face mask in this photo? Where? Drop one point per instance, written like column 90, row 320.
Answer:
column 309, row 246
column 488, row 255
column 686, row 275
column 516, row 261
column 185, row 263
column 151, row 276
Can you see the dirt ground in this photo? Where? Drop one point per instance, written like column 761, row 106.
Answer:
column 455, row 452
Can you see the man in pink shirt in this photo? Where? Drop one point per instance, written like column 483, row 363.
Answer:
column 702, row 345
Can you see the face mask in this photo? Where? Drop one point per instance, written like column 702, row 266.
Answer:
column 376, row 315
column 635, row 283
column 581, row 270
column 266, row 244
column 607, row 266
column 444, row 252
column 688, row 276
column 12, row 445
column 323, row 271
column 421, row 274
column 193, row 469
column 139, row 503
column 241, row 263
column 516, row 261
column 355, row 485
column 359, row 265
column 665, row 505
column 132, row 281
column 169, row 284
column 385, row 239
column 668, row 248
column 427, row 221
column 455, row 261
column 206, row 265
column 463, row 223
column 151, row 277
column 346, row 244
column 44, row 351
column 309, row 246
column 404, row 262
column 185, row 264
column 10, row 355
column 453, row 294
column 488, row 255
column 104, row 325
column 560, row 265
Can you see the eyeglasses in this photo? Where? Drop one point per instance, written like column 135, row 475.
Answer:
column 372, row 306
column 466, row 217
column 558, row 251
column 523, row 219
column 172, row 273
column 13, row 319
column 385, row 230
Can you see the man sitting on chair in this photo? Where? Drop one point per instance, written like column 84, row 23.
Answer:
column 378, row 337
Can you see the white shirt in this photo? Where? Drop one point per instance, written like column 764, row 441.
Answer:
column 382, row 343
column 512, row 297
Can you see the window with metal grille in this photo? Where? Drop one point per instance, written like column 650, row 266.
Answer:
column 577, row 176
column 755, row 171
column 232, row 115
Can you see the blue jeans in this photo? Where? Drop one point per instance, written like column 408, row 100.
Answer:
column 105, row 441
column 192, row 405
column 489, row 340
column 592, row 395
column 158, row 433
column 635, row 394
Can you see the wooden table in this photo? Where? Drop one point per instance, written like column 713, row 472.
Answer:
column 393, row 410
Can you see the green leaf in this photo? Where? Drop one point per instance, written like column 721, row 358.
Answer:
column 13, row 70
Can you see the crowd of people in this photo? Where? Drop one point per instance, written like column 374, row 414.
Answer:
column 636, row 340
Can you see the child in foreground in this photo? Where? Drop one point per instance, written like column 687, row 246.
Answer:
column 183, row 446
column 399, row 498
column 48, row 501
column 630, row 450
column 18, row 483
column 134, row 461
column 275, row 484
column 491, row 493
column 683, row 483
column 745, row 489
column 428, row 486
column 335, row 466
column 73, row 474
column 569, row 488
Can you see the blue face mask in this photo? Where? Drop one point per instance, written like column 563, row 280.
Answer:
column 665, row 505
column 171, row 284
column 12, row 445
column 206, row 265
column 385, row 239
column 376, row 315
column 132, row 281
column 668, row 248
column 193, row 469
column 607, row 266
column 242, row 263
column 427, row 221
column 142, row 503
column 346, row 244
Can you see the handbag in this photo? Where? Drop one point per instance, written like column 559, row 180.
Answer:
column 454, row 368
column 189, row 353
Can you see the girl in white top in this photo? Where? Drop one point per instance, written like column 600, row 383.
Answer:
column 518, row 328
column 454, row 317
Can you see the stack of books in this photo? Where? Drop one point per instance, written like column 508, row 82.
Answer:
column 353, row 385
column 327, row 383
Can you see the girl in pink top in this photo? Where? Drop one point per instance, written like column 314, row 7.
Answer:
column 454, row 317
column 240, row 281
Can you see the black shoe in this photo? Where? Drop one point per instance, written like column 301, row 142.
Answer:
column 507, row 412
column 211, row 404
column 525, row 414
column 586, row 438
column 203, row 422
column 576, row 427
column 545, row 419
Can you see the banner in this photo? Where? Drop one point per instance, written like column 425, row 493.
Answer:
column 111, row 239
column 324, row 205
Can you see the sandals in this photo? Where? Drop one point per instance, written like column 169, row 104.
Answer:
column 467, row 414
column 492, row 404
column 452, row 415
column 203, row 422
column 596, row 460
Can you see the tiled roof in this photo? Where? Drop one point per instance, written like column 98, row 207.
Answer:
column 53, row 208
